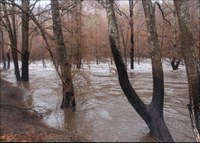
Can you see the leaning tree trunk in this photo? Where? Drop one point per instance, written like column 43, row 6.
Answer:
column 25, row 41
column 187, row 44
column 63, row 59
column 152, row 114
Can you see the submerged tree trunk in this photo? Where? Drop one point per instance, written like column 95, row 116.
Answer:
column 152, row 114
column 63, row 59
column 25, row 41
column 175, row 63
column 187, row 44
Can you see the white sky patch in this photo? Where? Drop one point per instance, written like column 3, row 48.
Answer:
column 43, row 3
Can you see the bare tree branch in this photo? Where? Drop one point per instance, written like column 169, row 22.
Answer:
column 163, row 13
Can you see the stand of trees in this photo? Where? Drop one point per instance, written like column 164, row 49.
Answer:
column 74, row 31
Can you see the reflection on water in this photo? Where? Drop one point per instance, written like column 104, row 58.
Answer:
column 103, row 112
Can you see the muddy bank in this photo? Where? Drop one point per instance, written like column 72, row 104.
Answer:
column 20, row 123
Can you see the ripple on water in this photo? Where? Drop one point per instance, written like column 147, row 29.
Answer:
column 103, row 112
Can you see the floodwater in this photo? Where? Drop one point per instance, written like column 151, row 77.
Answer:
column 103, row 112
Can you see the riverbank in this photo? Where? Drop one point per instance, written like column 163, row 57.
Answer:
column 21, row 124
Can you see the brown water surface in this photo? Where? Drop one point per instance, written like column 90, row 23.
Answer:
column 103, row 112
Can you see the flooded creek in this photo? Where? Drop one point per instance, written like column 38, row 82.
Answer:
column 103, row 112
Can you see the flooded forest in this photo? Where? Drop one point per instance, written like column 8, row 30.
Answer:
column 100, row 70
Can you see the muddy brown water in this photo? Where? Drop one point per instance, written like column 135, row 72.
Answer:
column 103, row 112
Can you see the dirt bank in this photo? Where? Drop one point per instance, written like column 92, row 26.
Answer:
column 19, row 123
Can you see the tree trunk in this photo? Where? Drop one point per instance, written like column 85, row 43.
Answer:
column 175, row 61
column 8, row 59
column 2, row 49
column 199, row 31
column 152, row 114
column 95, row 40
column 43, row 58
column 132, row 33
column 11, row 28
column 124, row 42
column 14, row 44
column 63, row 59
column 187, row 44
column 25, row 41
column 2, row 42
column 78, row 15
column 157, row 72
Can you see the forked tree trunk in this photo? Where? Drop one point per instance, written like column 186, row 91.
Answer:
column 152, row 114
column 63, row 59
column 187, row 45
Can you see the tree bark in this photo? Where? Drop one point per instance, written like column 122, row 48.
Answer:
column 175, row 61
column 8, row 58
column 152, row 114
column 157, row 69
column 25, row 40
column 132, row 33
column 2, row 42
column 78, row 15
column 124, row 42
column 199, row 30
column 63, row 59
column 2, row 49
column 187, row 47
column 11, row 29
